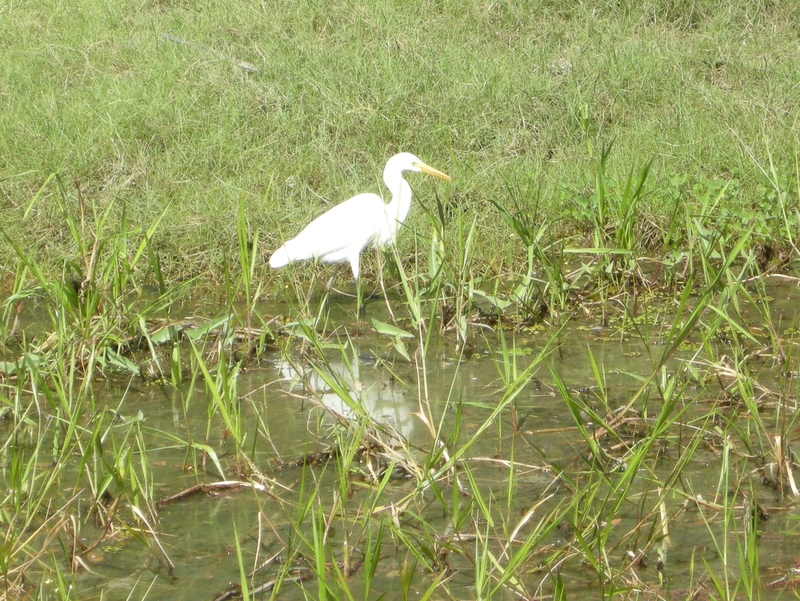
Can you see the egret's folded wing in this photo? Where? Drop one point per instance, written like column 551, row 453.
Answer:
column 331, row 236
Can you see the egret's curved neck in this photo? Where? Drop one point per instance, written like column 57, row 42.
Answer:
column 397, row 209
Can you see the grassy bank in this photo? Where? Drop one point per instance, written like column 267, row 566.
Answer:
column 283, row 110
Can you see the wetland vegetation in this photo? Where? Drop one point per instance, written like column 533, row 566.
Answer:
column 583, row 380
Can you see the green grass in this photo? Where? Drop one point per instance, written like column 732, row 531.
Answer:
column 608, row 158
column 514, row 99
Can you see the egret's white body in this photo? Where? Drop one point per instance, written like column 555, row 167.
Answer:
column 341, row 233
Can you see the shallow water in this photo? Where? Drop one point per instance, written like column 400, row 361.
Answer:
column 284, row 417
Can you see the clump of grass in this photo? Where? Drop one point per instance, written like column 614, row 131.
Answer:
column 146, row 107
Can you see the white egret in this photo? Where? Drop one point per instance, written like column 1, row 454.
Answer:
column 341, row 233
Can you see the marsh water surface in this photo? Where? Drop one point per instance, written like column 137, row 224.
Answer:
column 345, row 447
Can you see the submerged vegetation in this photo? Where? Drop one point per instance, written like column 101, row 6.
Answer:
column 582, row 380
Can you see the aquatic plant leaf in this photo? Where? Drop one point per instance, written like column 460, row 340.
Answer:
column 10, row 367
column 390, row 330
column 497, row 302
column 203, row 330
column 213, row 455
column 139, row 417
column 397, row 333
column 400, row 347
column 164, row 335
column 122, row 362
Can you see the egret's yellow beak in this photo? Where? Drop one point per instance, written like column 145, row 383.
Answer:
column 431, row 171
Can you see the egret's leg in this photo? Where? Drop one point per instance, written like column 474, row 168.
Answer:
column 383, row 286
column 359, row 306
column 362, row 308
column 355, row 261
column 326, row 301
column 329, row 285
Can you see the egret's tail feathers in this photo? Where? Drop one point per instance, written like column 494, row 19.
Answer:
column 280, row 258
column 290, row 252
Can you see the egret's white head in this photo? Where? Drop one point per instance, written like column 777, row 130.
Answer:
column 405, row 161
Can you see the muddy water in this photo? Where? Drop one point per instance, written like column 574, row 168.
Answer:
column 282, row 414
